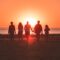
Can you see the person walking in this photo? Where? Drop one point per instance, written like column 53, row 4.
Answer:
column 27, row 29
column 38, row 29
column 20, row 31
column 47, row 29
column 11, row 31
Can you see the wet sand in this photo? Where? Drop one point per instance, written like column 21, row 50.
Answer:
column 31, row 49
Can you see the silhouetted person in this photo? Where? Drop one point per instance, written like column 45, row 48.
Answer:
column 38, row 29
column 27, row 29
column 11, row 31
column 20, row 30
column 47, row 29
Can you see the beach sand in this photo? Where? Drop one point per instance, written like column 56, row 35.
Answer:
column 36, row 50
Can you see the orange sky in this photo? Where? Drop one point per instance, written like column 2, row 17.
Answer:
column 48, row 11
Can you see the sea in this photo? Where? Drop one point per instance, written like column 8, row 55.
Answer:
column 52, row 31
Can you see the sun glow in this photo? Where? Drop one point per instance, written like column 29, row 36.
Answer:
column 31, row 20
column 31, row 17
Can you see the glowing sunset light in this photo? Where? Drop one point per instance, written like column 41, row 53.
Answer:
column 31, row 21
column 31, row 16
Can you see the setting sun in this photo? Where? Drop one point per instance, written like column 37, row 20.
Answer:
column 29, row 16
column 31, row 20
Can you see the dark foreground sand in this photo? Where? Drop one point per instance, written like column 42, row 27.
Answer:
column 31, row 49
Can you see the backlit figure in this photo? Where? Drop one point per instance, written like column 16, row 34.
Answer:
column 11, row 31
column 27, row 28
column 38, row 29
column 47, row 29
column 20, row 30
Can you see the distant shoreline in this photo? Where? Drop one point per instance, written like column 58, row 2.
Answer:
column 52, row 31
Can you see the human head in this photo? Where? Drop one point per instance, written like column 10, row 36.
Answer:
column 46, row 25
column 27, row 22
column 38, row 22
column 11, row 23
column 20, row 23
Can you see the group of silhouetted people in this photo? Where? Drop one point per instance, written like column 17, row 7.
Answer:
column 37, row 30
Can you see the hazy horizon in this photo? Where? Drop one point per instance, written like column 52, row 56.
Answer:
column 52, row 31
column 33, row 27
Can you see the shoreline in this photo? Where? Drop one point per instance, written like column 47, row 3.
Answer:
column 51, row 37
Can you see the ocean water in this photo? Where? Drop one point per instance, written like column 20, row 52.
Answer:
column 52, row 31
